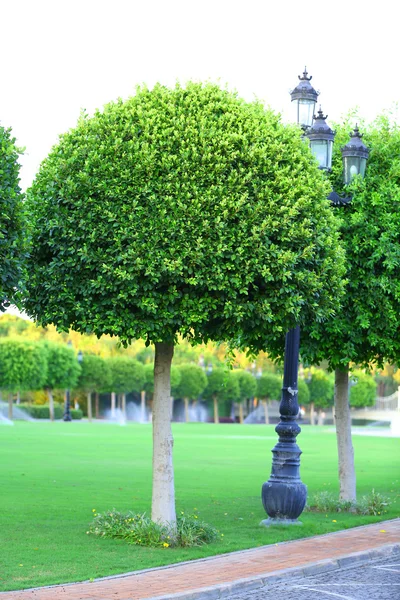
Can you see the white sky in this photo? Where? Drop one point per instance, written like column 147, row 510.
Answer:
column 60, row 56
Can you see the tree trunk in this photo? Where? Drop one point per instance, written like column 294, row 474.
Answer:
column 172, row 407
column 97, row 405
column 186, row 401
column 18, row 397
column 266, row 415
column 51, row 404
column 347, row 474
column 312, row 413
column 241, row 419
column 10, row 406
column 123, row 406
column 142, row 406
column 163, row 498
column 216, row 415
column 89, row 407
column 112, row 404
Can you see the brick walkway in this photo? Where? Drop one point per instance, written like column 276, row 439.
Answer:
column 222, row 569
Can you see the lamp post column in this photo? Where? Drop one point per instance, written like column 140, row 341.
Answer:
column 284, row 495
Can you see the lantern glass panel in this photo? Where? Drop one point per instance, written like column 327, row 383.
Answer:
column 351, row 168
column 320, row 150
column 305, row 112
column 363, row 164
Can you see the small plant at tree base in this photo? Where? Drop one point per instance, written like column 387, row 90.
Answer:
column 372, row 504
column 141, row 530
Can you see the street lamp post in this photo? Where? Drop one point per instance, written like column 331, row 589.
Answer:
column 284, row 495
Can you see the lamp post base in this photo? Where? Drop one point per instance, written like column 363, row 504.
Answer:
column 279, row 522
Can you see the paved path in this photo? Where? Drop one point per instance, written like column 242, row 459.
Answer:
column 218, row 577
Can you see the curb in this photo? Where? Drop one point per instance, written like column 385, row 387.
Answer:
column 225, row 590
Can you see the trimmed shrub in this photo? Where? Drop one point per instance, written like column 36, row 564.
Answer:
column 76, row 413
column 41, row 411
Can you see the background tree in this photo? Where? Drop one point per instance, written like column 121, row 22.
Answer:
column 363, row 393
column 222, row 387
column 193, row 383
column 127, row 375
column 63, row 370
column 303, row 392
column 247, row 388
column 366, row 329
column 23, row 366
column 184, row 212
column 95, row 376
column 12, row 244
column 321, row 388
column 269, row 387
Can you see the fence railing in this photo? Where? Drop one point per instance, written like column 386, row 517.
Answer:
column 391, row 402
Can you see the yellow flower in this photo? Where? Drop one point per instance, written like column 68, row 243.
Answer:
column 195, row 509
column 93, row 510
column 165, row 545
column 382, row 531
column 195, row 516
column 334, row 521
column 21, row 565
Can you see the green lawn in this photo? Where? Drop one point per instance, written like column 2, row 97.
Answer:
column 54, row 474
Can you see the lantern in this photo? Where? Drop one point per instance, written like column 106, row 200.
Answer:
column 304, row 99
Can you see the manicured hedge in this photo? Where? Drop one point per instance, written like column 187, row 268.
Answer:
column 76, row 413
column 41, row 411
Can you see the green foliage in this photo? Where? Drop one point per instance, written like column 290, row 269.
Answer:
column 184, row 211
column 11, row 325
column 63, row 368
column 365, row 330
column 141, row 530
column 76, row 414
column 321, row 388
column 12, row 237
column 269, row 386
column 23, row 365
column 363, row 393
column 193, row 382
column 42, row 411
column 222, row 385
column 370, row 504
column 95, row 374
column 303, row 396
column 127, row 374
column 247, row 384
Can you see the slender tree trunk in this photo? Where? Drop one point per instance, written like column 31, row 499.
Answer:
column 186, row 401
column 142, row 406
column 266, row 415
column 96, row 405
column 241, row 419
column 51, row 404
column 163, row 499
column 123, row 407
column 112, row 404
column 312, row 413
column 347, row 474
column 89, row 407
column 18, row 397
column 216, row 415
column 10, row 406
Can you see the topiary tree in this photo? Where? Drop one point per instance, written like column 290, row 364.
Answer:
column 363, row 393
column 269, row 387
column 222, row 386
column 321, row 389
column 95, row 377
column 181, row 212
column 127, row 375
column 192, row 383
column 303, row 394
column 23, row 366
column 247, row 388
column 366, row 329
column 63, row 370
column 12, row 237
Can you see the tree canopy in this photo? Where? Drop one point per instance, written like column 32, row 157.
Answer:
column 192, row 383
column 193, row 212
column 95, row 374
column 269, row 386
column 23, row 365
column 222, row 385
column 247, row 384
column 321, row 388
column 12, row 236
column 363, row 393
column 127, row 374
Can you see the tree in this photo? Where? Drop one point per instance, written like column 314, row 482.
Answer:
column 222, row 386
column 23, row 366
column 193, row 382
column 62, row 370
column 247, row 388
column 321, row 388
column 12, row 219
column 184, row 212
column 303, row 392
column 148, row 386
column 366, row 329
column 127, row 375
column 95, row 377
column 269, row 387
column 363, row 393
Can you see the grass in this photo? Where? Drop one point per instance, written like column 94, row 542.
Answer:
column 54, row 474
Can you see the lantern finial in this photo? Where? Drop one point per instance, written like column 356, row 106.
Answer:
column 305, row 78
